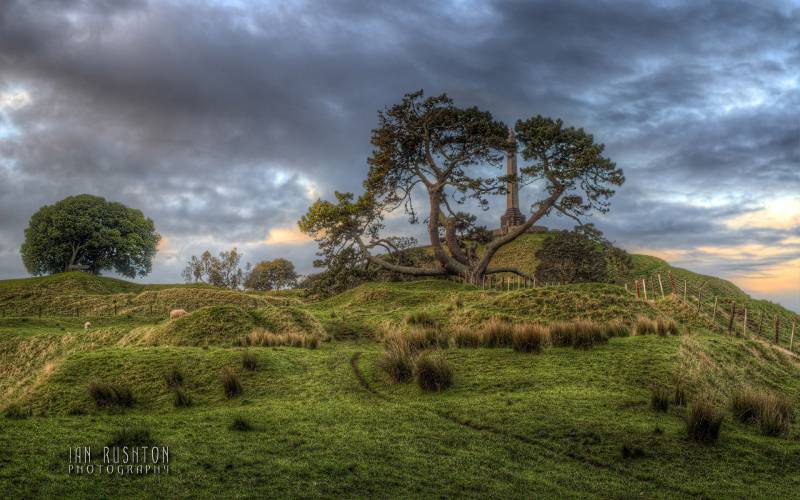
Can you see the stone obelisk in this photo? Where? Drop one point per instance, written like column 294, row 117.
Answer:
column 513, row 216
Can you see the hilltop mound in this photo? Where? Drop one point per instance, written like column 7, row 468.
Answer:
column 223, row 326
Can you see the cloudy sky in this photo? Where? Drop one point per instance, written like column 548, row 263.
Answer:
column 222, row 120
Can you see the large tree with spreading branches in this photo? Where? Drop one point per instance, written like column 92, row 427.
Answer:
column 454, row 155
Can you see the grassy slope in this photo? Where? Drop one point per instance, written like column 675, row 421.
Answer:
column 512, row 423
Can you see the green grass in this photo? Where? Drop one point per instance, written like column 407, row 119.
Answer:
column 330, row 422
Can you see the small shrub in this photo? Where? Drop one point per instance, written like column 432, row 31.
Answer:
column 174, row 378
column 497, row 333
column 433, row 373
column 16, row 412
column 704, row 422
column 421, row 318
column 231, row 383
column 645, row 326
column 398, row 361
column 107, row 394
column 249, row 361
column 531, row 337
column 240, row 424
column 467, row 337
column 131, row 437
column 182, row 399
column 659, row 399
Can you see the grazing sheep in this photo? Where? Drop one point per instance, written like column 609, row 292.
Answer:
column 177, row 313
column 86, row 326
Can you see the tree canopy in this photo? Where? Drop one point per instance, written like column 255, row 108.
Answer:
column 222, row 271
column 274, row 274
column 453, row 155
column 90, row 233
column 581, row 255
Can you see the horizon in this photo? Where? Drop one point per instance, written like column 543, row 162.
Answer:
column 223, row 121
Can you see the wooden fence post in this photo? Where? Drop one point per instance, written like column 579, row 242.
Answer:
column 777, row 332
column 714, row 317
column 684, row 291
column 644, row 288
column 626, row 287
column 791, row 337
column 744, row 323
column 733, row 314
column 660, row 286
column 672, row 283
column 637, row 289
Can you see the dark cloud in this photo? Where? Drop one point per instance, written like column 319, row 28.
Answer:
column 221, row 120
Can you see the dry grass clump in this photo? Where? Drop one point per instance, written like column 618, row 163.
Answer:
column 107, row 394
column 660, row 326
column 529, row 337
column 497, row 333
column 772, row 411
column 420, row 318
column 249, row 361
column 617, row 328
column 231, row 383
column 580, row 333
column 467, row 337
column 659, row 399
column 704, row 421
column 679, row 395
column 264, row 338
column 433, row 372
column 398, row 359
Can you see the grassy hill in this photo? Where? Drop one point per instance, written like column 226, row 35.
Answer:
column 328, row 421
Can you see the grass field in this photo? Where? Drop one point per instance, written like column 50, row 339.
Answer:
column 329, row 421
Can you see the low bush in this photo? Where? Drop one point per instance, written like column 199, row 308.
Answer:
column 174, row 378
column 704, row 421
column 659, row 399
column 240, row 424
column 107, row 394
column 249, row 361
column 772, row 411
column 497, row 333
column 433, row 373
column 231, row 383
column 529, row 337
column 131, row 437
column 182, row 399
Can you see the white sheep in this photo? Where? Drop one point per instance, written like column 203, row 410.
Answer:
column 177, row 313
column 86, row 326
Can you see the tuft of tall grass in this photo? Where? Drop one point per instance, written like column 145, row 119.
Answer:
column 645, row 326
column 704, row 421
column 467, row 337
column 772, row 411
column 398, row 361
column 659, row 399
column 249, row 361
column 16, row 412
column 497, row 333
column 530, row 337
column 680, row 395
column 616, row 328
column 264, row 338
column 231, row 383
column 181, row 398
column 173, row 378
column 420, row 318
column 579, row 333
column 107, row 394
column 433, row 372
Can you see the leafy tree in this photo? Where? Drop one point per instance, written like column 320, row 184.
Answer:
column 431, row 145
column 272, row 275
column 222, row 271
column 90, row 233
column 570, row 257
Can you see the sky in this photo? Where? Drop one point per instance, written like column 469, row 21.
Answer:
column 223, row 120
